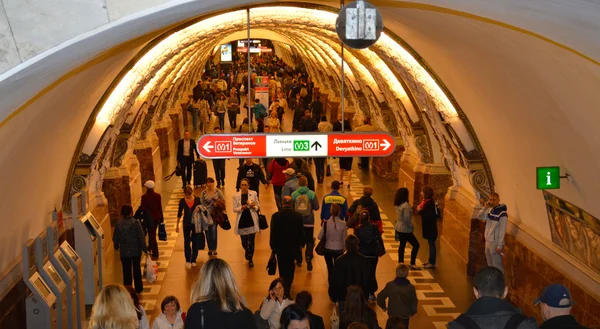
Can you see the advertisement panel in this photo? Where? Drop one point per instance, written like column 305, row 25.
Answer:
column 226, row 55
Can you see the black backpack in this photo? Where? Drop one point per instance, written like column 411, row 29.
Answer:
column 513, row 323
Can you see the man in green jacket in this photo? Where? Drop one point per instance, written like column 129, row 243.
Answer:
column 305, row 202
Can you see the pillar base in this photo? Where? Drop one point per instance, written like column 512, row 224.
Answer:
column 389, row 167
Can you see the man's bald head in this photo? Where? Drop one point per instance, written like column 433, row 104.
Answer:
column 286, row 201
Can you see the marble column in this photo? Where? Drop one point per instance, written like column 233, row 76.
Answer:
column 406, row 175
column 156, row 160
column 461, row 231
column 115, row 186
column 176, row 124
column 389, row 167
column 184, row 114
column 439, row 178
column 163, row 130
column 415, row 174
column 132, row 166
column 143, row 151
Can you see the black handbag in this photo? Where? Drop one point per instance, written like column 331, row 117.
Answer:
column 201, row 240
column 272, row 264
column 225, row 224
column 262, row 222
column 260, row 322
column 379, row 247
column 162, row 232
column 320, row 248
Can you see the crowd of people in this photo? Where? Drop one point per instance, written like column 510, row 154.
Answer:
column 349, row 235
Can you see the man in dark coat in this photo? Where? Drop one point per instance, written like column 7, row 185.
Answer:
column 198, row 91
column 253, row 173
column 491, row 310
column 186, row 150
column 366, row 202
column 337, row 126
column 152, row 210
column 351, row 268
column 286, row 240
column 317, row 109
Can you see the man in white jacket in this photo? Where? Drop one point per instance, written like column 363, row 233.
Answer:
column 496, row 218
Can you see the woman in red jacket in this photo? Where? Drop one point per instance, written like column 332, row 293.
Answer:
column 276, row 169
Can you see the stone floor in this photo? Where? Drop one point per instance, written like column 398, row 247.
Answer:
column 443, row 293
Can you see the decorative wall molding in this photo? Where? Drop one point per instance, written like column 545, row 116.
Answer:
column 479, row 180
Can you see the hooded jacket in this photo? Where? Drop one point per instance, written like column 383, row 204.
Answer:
column 402, row 298
column 493, row 313
column 276, row 168
column 291, row 185
column 312, row 196
column 495, row 219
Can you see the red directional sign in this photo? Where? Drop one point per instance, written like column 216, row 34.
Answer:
column 360, row 145
column 376, row 144
column 233, row 146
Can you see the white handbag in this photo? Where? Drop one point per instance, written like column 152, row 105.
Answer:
column 335, row 319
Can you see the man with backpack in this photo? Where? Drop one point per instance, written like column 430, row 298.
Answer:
column 491, row 310
column 305, row 202
column 260, row 111
column 365, row 202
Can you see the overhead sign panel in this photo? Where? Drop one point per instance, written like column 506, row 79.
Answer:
column 292, row 145
column 296, row 145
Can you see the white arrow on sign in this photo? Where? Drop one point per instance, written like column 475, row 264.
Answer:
column 386, row 145
column 207, row 147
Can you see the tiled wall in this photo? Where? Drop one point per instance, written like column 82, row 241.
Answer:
column 526, row 273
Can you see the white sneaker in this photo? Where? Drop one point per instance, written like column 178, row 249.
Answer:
column 193, row 264
column 188, row 265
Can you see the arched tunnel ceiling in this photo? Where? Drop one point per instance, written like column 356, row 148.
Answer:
column 530, row 100
column 255, row 34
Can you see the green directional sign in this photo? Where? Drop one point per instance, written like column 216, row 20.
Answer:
column 548, row 178
column 302, row 145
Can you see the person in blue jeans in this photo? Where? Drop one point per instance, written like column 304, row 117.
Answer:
column 187, row 206
column 430, row 213
column 209, row 197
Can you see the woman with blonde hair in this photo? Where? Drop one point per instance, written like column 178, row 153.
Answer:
column 113, row 309
column 274, row 123
column 216, row 300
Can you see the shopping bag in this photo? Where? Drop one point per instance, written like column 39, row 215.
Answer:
column 335, row 320
column 151, row 270
column 162, row 232
column 272, row 265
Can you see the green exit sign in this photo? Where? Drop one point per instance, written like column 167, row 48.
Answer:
column 548, row 178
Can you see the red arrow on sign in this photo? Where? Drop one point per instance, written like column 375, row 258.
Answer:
column 232, row 146
column 360, row 145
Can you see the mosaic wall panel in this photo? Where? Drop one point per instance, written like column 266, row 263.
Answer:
column 574, row 230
